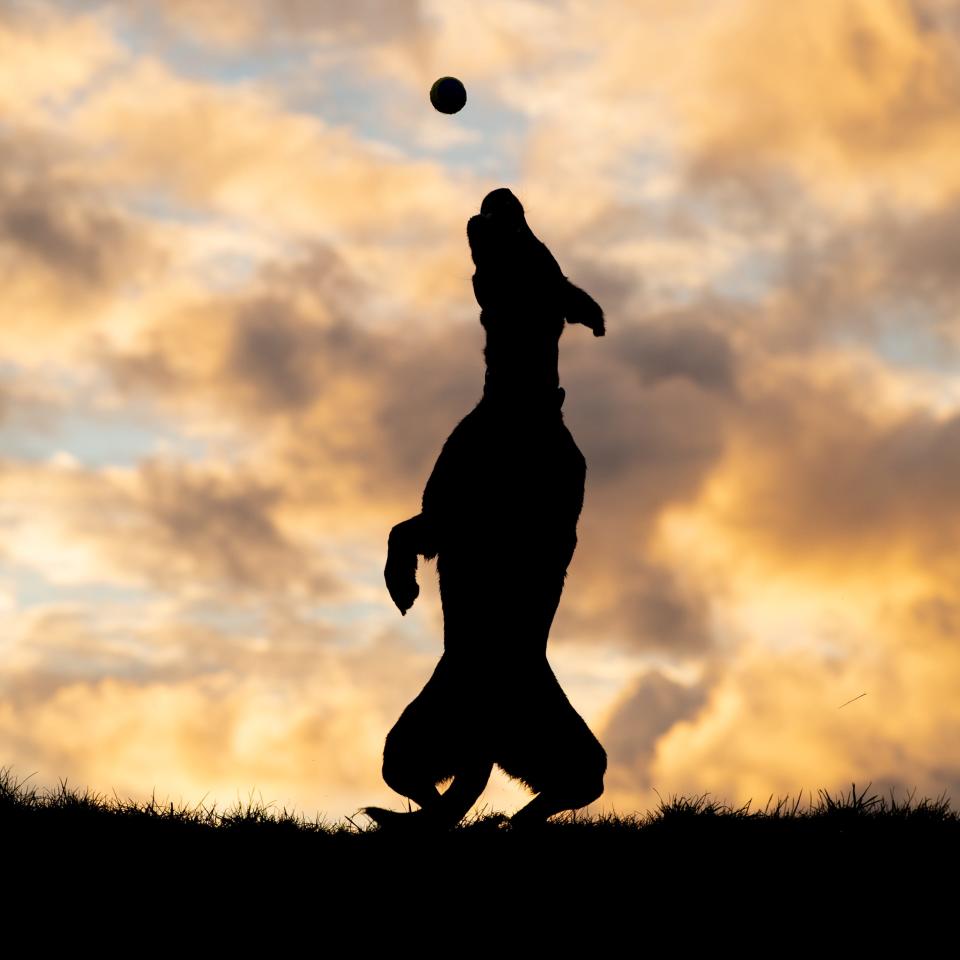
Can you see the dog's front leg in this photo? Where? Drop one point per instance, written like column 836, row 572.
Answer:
column 407, row 541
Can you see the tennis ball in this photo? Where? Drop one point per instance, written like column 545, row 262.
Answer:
column 448, row 95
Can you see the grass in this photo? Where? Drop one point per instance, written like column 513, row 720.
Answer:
column 70, row 814
column 852, row 861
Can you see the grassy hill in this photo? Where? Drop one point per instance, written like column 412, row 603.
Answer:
column 851, row 821
column 848, row 868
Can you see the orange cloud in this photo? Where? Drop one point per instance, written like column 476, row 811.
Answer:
column 68, row 254
column 851, row 97
column 214, row 737
column 46, row 57
column 250, row 23
column 239, row 151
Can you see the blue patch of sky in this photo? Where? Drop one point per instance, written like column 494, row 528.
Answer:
column 904, row 332
column 32, row 589
column 341, row 98
column 499, row 133
column 340, row 94
column 347, row 614
column 636, row 169
column 363, row 104
column 749, row 277
column 161, row 205
column 97, row 438
column 226, row 619
column 151, row 34
column 223, row 270
column 230, row 270
column 343, row 625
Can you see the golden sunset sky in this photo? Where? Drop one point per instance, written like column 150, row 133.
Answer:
column 236, row 325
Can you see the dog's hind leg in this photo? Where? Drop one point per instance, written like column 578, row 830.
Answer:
column 576, row 786
column 438, row 811
column 468, row 783
column 553, row 752
column 406, row 772
column 549, row 802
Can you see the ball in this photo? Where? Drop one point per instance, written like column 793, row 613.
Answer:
column 448, row 95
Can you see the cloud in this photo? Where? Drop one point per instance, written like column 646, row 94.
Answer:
column 137, row 692
column 848, row 103
column 67, row 252
column 665, row 347
column 918, row 254
column 329, row 398
column 249, row 24
column 775, row 724
column 855, row 97
column 168, row 526
column 46, row 57
column 314, row 745
column 83, row 246
column 650, row 708
column 821, row 546
column 205, row 145
column 858, row 484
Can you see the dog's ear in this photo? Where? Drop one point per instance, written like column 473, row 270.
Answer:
column 580, row 307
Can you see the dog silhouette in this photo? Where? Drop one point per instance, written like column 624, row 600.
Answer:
column 499, row 514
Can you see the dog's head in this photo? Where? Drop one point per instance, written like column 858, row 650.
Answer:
column 495, row 232
column 503, row 209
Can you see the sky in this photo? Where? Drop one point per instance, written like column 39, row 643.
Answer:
column 236, row 326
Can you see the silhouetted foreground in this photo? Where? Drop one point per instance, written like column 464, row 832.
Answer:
column 837, row 870
column 838, row 825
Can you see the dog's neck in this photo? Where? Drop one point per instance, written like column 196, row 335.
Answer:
column 521, row 355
